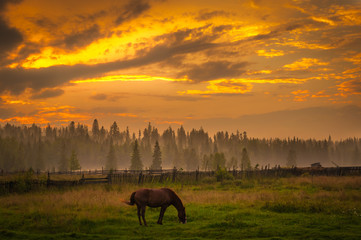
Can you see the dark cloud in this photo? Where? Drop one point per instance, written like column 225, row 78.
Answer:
column 10, row 37
column 99, row 96
column 4, row 3
column 132, row 10
column 174, row 44
column 214, row 70
column 82, row 38
column 48, row 93
column 203, row 16
column 44, row 22
column 24, row 52
column 92, row 17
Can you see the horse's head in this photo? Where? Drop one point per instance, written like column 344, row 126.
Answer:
column 182, row 215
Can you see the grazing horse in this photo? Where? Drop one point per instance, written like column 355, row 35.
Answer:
column 163, row 198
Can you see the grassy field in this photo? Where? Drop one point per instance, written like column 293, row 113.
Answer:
column 285, row 208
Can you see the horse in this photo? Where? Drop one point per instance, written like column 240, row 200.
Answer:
column 163, row 198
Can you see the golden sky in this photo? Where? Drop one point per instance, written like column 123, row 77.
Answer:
column 204, row 63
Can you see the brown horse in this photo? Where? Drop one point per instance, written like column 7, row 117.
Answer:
column 163, row 198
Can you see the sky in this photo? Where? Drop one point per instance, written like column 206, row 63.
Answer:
column 272, row 68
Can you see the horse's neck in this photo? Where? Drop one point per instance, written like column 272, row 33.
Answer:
column 177, row 203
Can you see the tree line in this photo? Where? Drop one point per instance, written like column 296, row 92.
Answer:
column 75, row 147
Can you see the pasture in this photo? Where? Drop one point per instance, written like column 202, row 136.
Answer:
column 268, row 208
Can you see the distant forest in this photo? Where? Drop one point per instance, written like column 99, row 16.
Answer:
column 76, row 147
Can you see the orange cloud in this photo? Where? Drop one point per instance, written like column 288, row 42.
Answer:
column 129, row 78
column 305, row 45
column 304, row 64
column 321, row 94
column 7, row 99
column 221, row 87
column 271, row 53
column 168, row 122
column 62, row 113
column 351, row 87
column 26, row 120
column 127, row 115
column 324, row 20
column 356, row 59
column 300, row 95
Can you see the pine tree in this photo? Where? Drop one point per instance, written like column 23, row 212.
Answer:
column 63, row 162
column 114, row 130
column 219, row 161
column 157, row 158
column 356, row 157
column 191, row 159
column 245, row 161
column 111, row 163
column 136, row 162
column 291, row 158
column 206, row 162
column 39, row 162
column 233, row 163
column 74, row 161
column 95, row 129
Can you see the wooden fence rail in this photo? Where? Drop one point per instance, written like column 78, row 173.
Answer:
column 164, row 176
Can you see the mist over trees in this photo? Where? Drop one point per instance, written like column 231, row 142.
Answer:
column 75, row 147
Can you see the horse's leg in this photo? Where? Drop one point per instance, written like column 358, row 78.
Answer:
column 143, row 216
column 162, row 211
column 140, row 221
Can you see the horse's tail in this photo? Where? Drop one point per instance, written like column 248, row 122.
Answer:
column 132, row 201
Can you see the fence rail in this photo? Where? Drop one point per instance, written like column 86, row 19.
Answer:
column 162, row 176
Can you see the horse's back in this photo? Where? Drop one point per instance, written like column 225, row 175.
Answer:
column 153, row 197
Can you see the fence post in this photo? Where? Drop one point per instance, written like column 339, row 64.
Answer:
column 197, row 175
column 48, row 180
column 110, row 178
column 174, row 174
column 140, row 177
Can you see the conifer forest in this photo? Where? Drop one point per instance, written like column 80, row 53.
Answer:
column 76, row 147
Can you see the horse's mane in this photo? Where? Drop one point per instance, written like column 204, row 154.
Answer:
column 177, row 200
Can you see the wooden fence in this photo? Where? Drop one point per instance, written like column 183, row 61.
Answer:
column 165, row 176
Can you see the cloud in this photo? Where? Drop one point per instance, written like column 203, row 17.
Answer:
column 304, row 63
column 301, row 95
column 99, row 96
column 10, row 36
column 214, row 70
column 270, row 53
column 18, row 79
column 206, row 15
column 350, row 87
column 221, row 87
column 6, row 113
column 132, row 10
column 82, row 38
column 48, row 93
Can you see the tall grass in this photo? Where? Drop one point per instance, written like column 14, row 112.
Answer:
column 228, row 209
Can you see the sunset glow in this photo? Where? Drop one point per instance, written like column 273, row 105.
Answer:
column 192, row 63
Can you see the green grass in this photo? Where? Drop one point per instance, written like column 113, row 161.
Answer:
column 293, row 208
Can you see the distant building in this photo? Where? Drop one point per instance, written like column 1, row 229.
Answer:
column 316, row 165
